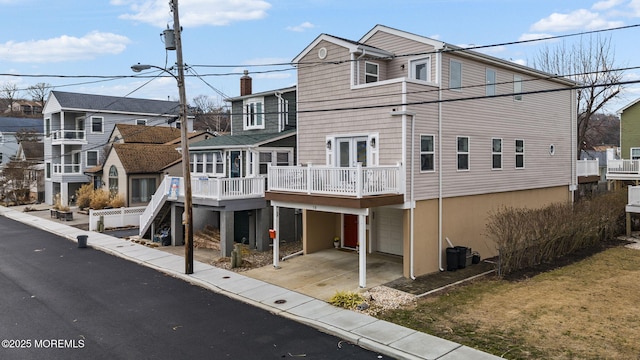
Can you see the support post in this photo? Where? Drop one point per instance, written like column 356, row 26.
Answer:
column 362, row 248
column 276, row 239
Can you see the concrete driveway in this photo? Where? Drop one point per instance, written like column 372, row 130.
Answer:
column 321, row 274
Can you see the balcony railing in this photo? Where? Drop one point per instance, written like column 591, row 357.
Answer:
column 227, row 188
column 68, row 137
column 623, row 169
column 587, row 167
column 66, row 169
column 356, row 181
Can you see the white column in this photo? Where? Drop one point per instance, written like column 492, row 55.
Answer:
column 362, row 248
column 276, row 241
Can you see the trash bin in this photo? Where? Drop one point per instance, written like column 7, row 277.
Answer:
column 462, row 256
column 452, row 259
column 82, row 241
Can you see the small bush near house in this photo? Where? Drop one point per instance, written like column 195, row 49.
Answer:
column 84, row 195
column 100, row 199
column 346, row 299
column 117, row 201
column 529, row 237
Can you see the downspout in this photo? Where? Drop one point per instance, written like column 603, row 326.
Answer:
column 440, row 170
column 413, row 199
column 574, row 150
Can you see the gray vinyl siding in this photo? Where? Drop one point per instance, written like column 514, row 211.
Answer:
column 270, row 118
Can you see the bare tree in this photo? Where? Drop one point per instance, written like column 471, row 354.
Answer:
column 39, row 92
column 590, row 63
column 209, row 115
column 9, row 92
column 16, row 181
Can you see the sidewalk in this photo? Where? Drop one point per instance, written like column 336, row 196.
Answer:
column 366, row 331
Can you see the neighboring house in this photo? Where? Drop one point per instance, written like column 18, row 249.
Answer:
column 9, row 126
column 228, row 172
column 32, row 153
column 138, row 160
column 406, row 141
column 627, row 169
column 26, row 107
column 77, row 129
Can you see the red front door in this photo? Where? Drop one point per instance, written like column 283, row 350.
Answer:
column 350, row 230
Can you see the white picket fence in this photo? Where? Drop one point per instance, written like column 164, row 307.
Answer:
column 114, row 218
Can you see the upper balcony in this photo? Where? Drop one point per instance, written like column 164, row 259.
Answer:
column 355, row 187
column 68, row 137
column 67, row 169
column 623, row 170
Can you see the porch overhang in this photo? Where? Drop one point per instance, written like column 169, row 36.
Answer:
column 336, row 201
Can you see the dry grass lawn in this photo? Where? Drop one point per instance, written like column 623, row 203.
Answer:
column 587, row 310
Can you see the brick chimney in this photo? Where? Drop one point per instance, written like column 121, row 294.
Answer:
column 245, row 84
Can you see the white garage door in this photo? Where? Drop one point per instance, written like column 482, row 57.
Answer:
column 389, row 231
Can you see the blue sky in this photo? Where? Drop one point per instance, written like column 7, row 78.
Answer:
column 221, row 38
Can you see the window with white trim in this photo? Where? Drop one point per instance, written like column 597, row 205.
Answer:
column 47, row 127
column 463, row 152
column 496, row 153
column 519, row 154
column 283, row 113
column 47, row 170
column 141, row 121
column 371, row 72
column 210, row 163
column 253, row 113
column 274, row 158
column 92, row 158
column 97, row 124
column 142, row 189
column 635, row 153
column 490, row 82
column 517, row 87
column 420, row 69
column 455, row 75
column 427, row 153
column 113, row 180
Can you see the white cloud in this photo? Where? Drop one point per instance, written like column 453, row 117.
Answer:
column 194, row 13
column 302, row 27
column 577, row 20
column 606, row 4
column 64, row 48
column 635, row 6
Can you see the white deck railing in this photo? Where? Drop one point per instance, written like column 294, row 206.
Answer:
column 204, row 188
column 68, row 136
column 588, row 167
column 345, row 181
column 633, row 195
column 623, row 167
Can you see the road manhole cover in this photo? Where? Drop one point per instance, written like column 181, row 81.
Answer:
column 281, row 301
column 226, row 277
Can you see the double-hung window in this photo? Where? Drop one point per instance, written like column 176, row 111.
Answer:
column 92, row 158
column 421, row 69
column 463, row 152
column 253, row 114
column 490, row 81
column 519, row 154
column 496, row 154
column 207, row 163
column 635, row 153
column 427, row 154
column 517, row 87
column 455, row 75
column 97, row 124
column 142, row 189
column 371, row 72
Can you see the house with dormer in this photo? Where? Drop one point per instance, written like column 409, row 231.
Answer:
column 228, row 173
column 406, row 141
column 77, row 129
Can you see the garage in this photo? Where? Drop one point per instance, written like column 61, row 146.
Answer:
column 388, row 230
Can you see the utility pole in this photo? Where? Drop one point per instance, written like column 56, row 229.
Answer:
column 188, row 209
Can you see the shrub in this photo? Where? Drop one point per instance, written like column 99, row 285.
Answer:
column 346, row 299
column 529, row 237
column 100, row 199
column 84, row 195
column 117, row 201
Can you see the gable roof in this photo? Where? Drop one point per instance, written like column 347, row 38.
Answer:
column 143, row 134
column 145, row 158
column 628, row 106
column 33, row 150
column 263, row 93
column 231, row 141
column 13, row 124
column 352, row 46
column 113, row 104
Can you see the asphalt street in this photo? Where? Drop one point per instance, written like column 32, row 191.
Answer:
column 58, row 301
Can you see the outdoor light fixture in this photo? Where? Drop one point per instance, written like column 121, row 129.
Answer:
column 329, row 144
column 373, row 142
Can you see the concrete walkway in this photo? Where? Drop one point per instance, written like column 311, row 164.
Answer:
column 366, row 331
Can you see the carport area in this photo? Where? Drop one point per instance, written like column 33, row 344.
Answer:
column 322, row 273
